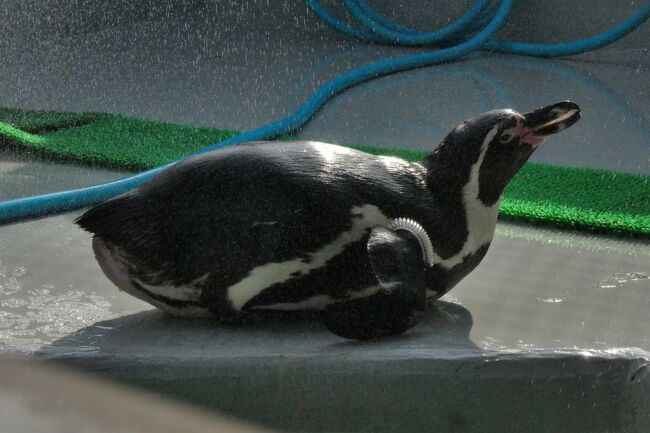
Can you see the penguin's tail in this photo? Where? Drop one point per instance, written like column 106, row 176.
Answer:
column 107, row 218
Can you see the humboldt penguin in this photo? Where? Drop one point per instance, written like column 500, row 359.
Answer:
column 365, row 240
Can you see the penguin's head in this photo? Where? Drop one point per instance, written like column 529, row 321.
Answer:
column 489, row 149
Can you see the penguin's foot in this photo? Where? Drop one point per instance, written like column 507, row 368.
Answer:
column 396, row 258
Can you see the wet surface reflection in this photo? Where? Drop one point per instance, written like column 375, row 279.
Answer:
column 538, row 288
column 444, row 330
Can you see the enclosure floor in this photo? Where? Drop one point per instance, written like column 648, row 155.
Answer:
column 549, row 314
column 537, row 287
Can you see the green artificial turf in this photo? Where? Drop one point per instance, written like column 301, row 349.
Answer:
column 596, row 200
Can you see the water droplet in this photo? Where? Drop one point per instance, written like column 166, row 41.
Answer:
column 551, row 300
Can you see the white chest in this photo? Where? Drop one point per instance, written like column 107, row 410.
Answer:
column 480, row 219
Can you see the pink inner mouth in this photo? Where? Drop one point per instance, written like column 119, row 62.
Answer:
column 532, row 139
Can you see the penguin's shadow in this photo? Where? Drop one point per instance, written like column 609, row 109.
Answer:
column 444, row 326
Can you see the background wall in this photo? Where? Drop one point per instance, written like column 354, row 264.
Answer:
column 534, row 20
column 240, row 64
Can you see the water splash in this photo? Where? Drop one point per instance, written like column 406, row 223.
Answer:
column 550, row 300
column 30, row 318
column 620, row 278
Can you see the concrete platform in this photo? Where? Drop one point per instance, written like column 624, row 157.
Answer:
column 39, row 398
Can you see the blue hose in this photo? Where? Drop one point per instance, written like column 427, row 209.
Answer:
column 393, row 33
column 484, row 23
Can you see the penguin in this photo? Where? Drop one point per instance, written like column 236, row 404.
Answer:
column 365, row 241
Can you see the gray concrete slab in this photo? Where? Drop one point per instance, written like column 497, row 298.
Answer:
column 39, row 398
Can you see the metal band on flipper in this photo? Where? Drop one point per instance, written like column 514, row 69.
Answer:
column 420, row 234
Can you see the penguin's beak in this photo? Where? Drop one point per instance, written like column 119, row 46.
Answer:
column 553, row 118
column 550, row 120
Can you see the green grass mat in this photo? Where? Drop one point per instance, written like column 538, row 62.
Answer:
column 595, row 200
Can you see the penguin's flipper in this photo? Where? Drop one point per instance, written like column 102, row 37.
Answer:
column 396, row 258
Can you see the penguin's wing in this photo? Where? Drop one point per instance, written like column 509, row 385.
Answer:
column 223, row 216
column 179, row 239
column 396, row 259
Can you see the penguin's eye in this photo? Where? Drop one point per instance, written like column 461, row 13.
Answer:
column 505, row 138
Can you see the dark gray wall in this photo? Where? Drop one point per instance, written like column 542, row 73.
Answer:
column 531, row 20
column 243, row 63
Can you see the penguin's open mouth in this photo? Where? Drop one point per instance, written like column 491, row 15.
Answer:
column 549, row 120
